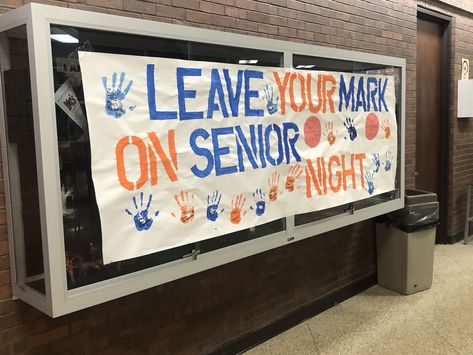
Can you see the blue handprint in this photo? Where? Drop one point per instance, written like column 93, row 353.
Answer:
column 349, row 125
column 140, row 217
column 369, row 180
column 389, row 158
column 212, row 208
column 269, row 96
column 260, row 203
column 114, row 96
column 377, row 162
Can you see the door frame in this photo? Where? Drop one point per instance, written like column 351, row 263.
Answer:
column 444, row 125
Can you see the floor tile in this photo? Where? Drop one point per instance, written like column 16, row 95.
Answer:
column 297, row 340
column 380, row 321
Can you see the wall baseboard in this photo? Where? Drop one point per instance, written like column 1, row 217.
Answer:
column 249, row 340
column 453, row 239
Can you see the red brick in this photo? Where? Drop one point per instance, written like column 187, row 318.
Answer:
column 9, row 306
column 199, row 17
column 5, row 292
column 110, row 11
column 211, row 7
column 3, row 217
column 3, row 247
column 247, row 4
column 5, row 277
column 4, row 262
column 49, row 2
column 22, row 331
column 169, row 11
column 112, row 4
column 296, row 5
column 265, row 28
column 189, row 4
column 10, row 320
column 12, row 3
column 36, row 341
column 142, row 7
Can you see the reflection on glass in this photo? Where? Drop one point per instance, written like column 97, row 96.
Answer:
column 301, row 62
column 22, row 159
column 82, row 232
column 242, row 236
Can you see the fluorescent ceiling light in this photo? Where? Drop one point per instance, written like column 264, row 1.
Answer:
column 248, row 61
column 64, row 38
column 303, row 66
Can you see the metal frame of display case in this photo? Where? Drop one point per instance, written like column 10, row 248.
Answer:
column 58, row 300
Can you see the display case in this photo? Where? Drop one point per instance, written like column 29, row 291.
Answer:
column 53, row 218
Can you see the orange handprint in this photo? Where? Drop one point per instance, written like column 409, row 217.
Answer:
column 386, row 129
column 295, row 172
column 237, row 207
column 328, row 132
column 186, row 207
column 273, row 187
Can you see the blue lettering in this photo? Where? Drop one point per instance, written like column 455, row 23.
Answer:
column 290, row 142
column 233, row 98
column 370, row 94
column 349, row 96
column 267, row 134
column 202, row 152
column 256, row 74
column 153, row 113
column 183, row 94
column 216, row 87
column 250, row 152
column 360, row 96
column 261, row 146
column 381, row 94
column 219, row 151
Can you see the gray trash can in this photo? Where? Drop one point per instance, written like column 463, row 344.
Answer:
column 405, row 241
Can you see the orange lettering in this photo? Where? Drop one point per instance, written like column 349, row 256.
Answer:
column 171, row 169
column 119, row 150
column 328, row 93
column 294, row 105
column 153, row 166
column 361, row 157
column 282, row 89
column 334, row 160
column 348, row 172
column 312, row 108
column 310, row 169
column 322, row 173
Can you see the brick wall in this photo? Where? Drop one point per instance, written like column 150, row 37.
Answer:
column 197, row 313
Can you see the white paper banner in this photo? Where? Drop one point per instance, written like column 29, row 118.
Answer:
column 184, row 151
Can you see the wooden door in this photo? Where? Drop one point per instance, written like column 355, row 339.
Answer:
column 429, row 108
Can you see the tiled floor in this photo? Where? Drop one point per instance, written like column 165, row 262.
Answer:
column 379, row 321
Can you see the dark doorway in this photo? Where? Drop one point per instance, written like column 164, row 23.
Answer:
column 432, row 128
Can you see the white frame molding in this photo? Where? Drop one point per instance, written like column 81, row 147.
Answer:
column 58, row 299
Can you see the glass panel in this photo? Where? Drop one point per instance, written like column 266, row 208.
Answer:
column 319, row 215
column 246, row 56
column 22, row 158
column 233, row 55
column 301, row 62
column 242, row 236
column 80, row 212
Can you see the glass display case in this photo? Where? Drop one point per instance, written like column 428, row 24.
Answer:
column 53, row 218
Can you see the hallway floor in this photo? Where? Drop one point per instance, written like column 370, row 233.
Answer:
column 379, row 321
